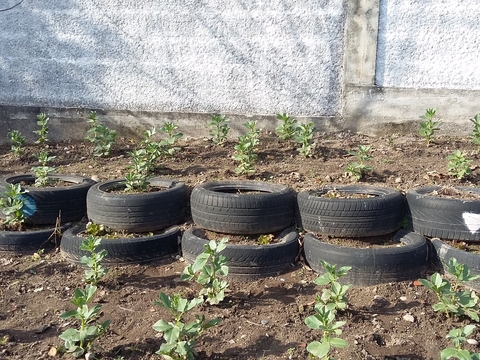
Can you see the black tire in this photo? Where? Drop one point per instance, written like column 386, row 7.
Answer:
column 445, row 218
column 45, row 205
column 379, row 215
column 371, row 266
column 30, row 241
column 222, row 207
column 141, row 212
column 247, row 261
column 126, row 250
column 443, row 252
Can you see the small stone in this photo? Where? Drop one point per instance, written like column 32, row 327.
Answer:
column 398, row 180
column 409, row 318
column 378, row 297
column 328, row 178
column 95, row 178
column 472, row 341
column 53, row 351
column 301, row 308
column 403, row 298
column 264, row 322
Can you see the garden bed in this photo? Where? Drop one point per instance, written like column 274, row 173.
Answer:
column 262, row 319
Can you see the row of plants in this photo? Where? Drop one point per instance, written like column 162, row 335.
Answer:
column 144, row 156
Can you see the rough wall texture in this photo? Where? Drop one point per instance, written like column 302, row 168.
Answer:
column 229, row 56
column 429, row 44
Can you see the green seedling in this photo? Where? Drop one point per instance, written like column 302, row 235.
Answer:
column 428, row 126
column 42, row 121
column 287, row 129
column 475, row 134
column 265, row 239
column 180, row 337
column 101, row 136
column 458, row 165
column 95, row 270
column 208, row 269
column 324, row 320
column 458, row 337
column 451, row 300
column 18, row 140
column 334, row 298
column 12, row 203
column 245, row 149
column 43, row 171
column 172, row 136
column 304, row 137
column 79, row 341
column 359, row 169
column 219, row 128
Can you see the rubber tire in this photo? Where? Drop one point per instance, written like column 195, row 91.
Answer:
column 434, row 216
column 215, row 206
column 443, row 252
column 379, row 215
column 23, row 242
column 125, row 250
column 247, row 261
column 49, row 202
column 140, row 212
column 372, row 266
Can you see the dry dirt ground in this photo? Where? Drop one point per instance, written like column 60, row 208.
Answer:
column 261, row 319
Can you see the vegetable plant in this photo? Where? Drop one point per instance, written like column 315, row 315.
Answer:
column 334, row 298
column 168, row 144
column 458, row 337
column 245, row 149
column 458, row 165
column 219, row 128
column 180, row 337
column 287, row 128
column 43, row 171
column 208, row 269
column 475, row 134
column 42, row 121
column 304, row 137
column 95, row 270
column 12, row 202
column 17, row 140
column 79, row 341
column 101, row 136
column 359, row 169
column 428, row 126
column 451, row 299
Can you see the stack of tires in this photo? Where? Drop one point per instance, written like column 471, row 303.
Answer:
column 149, row 216
column 244, row 208
column 380, row 212
column 448, row 220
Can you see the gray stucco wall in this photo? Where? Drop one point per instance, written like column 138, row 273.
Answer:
column 229, row 56
column 429, row 44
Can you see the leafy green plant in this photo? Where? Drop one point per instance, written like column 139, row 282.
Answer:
column 334, row 298
column 458, row 165
column 475, row 134
column 304, row 137
column 219, row 128
column 12, row 202
column 43, row 171
column 208, row 269
column 287, row 128
column 79, row 341
column 324, row 319
column 42, row 121
column 101, row 136
column 451, row 300
column 18, row 140
column 428, row 126
column 168, row 144
column 181, row 338
column 95, row 270
column 265, row 239
column 245, row 149
column 359, row 169
column 458, row 337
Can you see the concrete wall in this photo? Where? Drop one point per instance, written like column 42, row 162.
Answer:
column 357, row 64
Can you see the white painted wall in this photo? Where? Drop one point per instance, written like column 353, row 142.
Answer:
column 228, row 56
column 429, row 44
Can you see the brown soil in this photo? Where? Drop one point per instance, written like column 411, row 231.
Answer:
column 261, row 319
